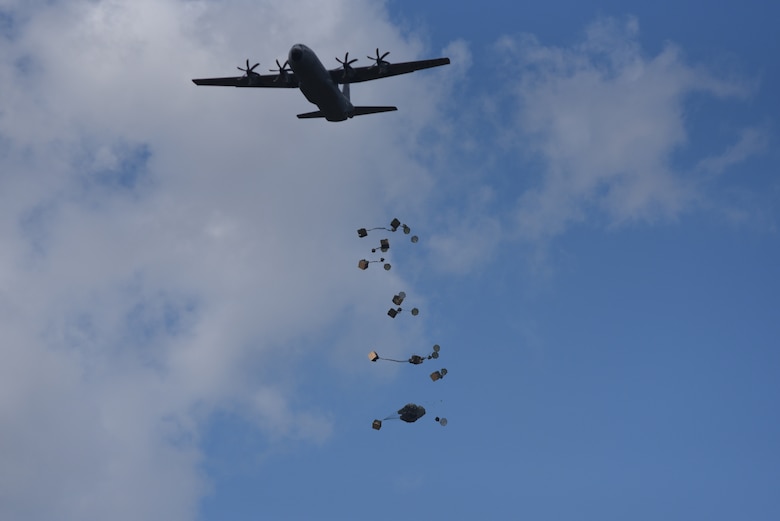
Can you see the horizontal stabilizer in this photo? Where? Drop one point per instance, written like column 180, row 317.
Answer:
column 309, row 115
column 358, row 111
column 362, row 111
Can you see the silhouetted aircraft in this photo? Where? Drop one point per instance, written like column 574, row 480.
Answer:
column 319, row 85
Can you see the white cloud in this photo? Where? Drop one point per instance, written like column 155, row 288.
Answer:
column 605, row 119
column 470, row 237
column 170, row 251
column 593, row 131
column 750, row 142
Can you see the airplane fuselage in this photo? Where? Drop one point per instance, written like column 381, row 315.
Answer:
column 319, row 85
column 316, row 84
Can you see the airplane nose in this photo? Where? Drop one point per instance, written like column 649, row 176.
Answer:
column 295, row 54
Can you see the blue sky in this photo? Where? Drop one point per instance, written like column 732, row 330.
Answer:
column 185, row 332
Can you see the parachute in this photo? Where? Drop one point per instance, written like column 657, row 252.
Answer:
column 394, row 225
column 397, row 300
column 384, row 244
column 363, row 264
column 410, row 413
column 414, row 359
column 438, row 375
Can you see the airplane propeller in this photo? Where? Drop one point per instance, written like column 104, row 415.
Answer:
column 347, row 63
column 282, row 70
column 249, row 70
column 380, row 60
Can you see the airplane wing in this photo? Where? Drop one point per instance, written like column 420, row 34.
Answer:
column 374, row 72
column 289, row 81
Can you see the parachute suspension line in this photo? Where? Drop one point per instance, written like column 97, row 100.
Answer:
column 414, row 359
column 393, row 360
column 374, row 356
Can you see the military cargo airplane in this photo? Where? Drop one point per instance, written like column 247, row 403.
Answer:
column 319, row 85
